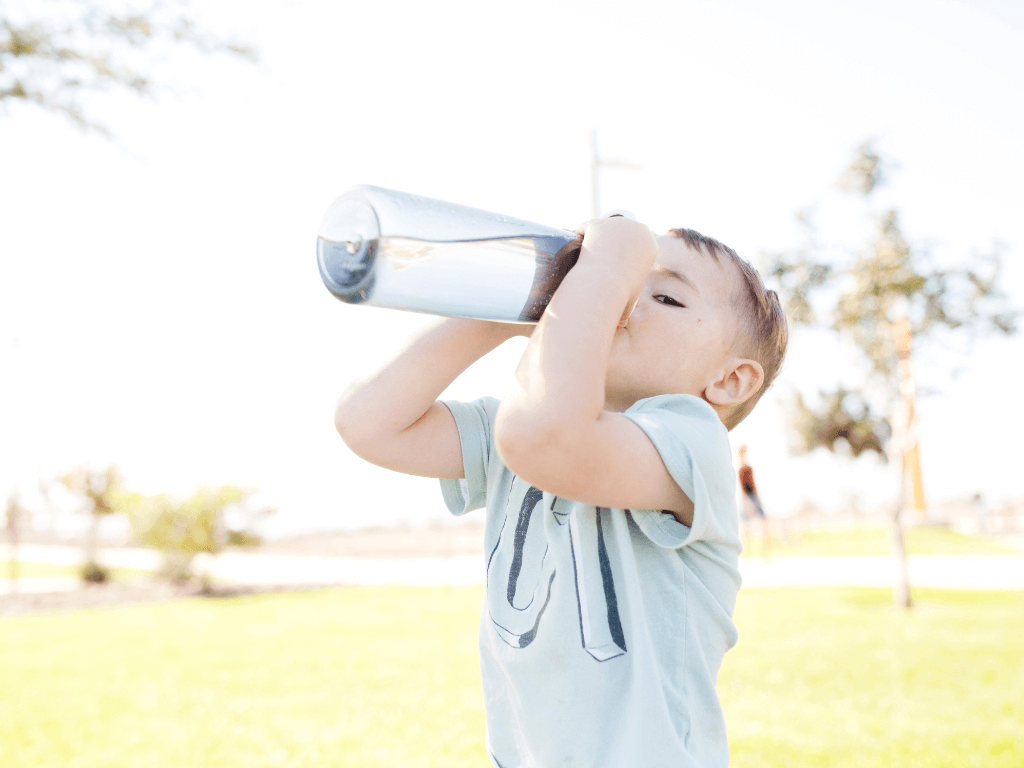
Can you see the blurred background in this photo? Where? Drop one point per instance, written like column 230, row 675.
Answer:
column 170, row 358
column 161, row 308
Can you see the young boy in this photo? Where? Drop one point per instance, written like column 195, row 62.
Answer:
column 611, row 536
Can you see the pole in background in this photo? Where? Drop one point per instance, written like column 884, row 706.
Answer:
column 596, row 164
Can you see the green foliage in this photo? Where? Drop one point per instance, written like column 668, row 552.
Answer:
column 244, row 539
column 51, row 56
column 93, row 573
column 844, row 415
column 183, row 529
column 101, row 490
column 859, row 293
column 864, row 173
column 102, row 493
column 194, row 525
column 360, row 678
column 180, row 529
column 798, row 273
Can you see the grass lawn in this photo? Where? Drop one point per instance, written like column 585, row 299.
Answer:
column 838, row 677
column 921, row 540
column 388, row 677
column 29, row 570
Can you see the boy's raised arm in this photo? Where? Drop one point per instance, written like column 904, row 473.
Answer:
column 552, row 429
column 392, row 419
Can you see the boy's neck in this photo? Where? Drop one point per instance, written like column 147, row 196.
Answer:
column 622, row 403
column 620, row 406
column 619, row 402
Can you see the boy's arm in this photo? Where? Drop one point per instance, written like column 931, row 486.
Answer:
column 392, row 419
column 552, row 429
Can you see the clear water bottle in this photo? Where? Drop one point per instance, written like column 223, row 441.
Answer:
column 392, row 249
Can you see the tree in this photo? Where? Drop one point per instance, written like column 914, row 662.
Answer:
column 61, row 49
column 101, row 494
column 876, row 298
column 183, row 529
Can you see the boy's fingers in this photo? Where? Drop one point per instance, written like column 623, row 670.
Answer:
column 617, row 213
column 624, row 320
column 620, row 212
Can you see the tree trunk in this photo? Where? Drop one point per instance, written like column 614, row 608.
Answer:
column 904, row 440
column 91, row 546
column 901, row 586
column 92, row 539
column 15, row 539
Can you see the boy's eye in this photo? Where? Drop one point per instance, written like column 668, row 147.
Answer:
column 663, row 299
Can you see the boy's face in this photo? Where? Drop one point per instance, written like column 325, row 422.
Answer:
column 679, row 338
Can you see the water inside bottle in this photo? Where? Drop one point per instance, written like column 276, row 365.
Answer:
column 499, row 278
column 509, row 278
column 405, row 251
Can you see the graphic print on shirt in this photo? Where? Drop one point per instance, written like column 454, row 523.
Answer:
column 595, row 589
column 520, row 574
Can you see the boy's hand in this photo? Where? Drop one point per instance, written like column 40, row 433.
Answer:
column 625, row 247
column 553, row 429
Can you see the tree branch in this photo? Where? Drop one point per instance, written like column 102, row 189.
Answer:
column 49, row 64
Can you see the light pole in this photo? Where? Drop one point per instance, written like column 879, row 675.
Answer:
column 596, row 164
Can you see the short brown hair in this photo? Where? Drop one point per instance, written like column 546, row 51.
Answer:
column 763, row 332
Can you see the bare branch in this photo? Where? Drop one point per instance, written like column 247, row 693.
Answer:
column 50, row 64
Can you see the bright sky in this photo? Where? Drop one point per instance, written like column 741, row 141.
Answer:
column 160, row 305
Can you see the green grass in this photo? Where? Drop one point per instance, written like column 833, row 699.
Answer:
column 838, row 677
column 921, row 540
column 30, row 570
column 359, row 677
column 389, row 677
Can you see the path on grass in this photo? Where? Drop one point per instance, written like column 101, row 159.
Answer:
column 235, row 567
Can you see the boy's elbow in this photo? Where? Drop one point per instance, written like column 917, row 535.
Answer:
column 348, row 423
column 531, row 448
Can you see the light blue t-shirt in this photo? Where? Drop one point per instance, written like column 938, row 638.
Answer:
column 603, row 630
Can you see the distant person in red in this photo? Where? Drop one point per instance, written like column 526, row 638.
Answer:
column 752, row 508
column 747, row 483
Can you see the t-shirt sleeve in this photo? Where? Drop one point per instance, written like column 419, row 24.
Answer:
column 475, row 421
column 694, row 445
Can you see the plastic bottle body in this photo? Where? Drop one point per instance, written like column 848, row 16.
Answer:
column 392, row 249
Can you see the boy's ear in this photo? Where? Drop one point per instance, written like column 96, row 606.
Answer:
column 743, row 379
